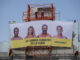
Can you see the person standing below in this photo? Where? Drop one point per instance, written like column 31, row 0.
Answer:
column 59, row 33
column 16, row 34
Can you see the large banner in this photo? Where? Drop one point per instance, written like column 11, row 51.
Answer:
column 41, row 33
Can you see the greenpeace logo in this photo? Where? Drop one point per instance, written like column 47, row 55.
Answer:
column 60, row 42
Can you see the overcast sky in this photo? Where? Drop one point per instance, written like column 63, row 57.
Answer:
column 11, row 10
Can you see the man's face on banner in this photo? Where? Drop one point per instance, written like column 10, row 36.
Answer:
column 44, row 29
column 16, row 32
column 59, row 30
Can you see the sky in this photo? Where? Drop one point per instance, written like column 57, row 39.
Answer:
column 12, row 10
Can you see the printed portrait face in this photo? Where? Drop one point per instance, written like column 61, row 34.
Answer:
column 16, row 31
column 44, row 29
column 59, row 29
column 30, row 31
